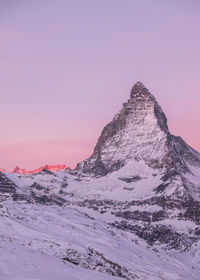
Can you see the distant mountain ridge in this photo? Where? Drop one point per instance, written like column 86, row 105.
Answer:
column 51, row 168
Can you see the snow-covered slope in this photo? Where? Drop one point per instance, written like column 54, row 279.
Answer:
column 43, row 242
column 131, row 210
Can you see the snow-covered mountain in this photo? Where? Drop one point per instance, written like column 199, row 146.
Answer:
column 140, row 132
column 131, row 210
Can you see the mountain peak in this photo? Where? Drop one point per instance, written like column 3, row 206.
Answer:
column 139, row 90
column 137, row 132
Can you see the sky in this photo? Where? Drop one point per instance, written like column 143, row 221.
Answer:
column 66, row 67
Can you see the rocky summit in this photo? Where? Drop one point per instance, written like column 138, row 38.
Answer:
column 129, row 211
column 139, row 132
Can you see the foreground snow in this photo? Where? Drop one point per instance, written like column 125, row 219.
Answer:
column 43, row 242
column 22, row 263
column 80, row 238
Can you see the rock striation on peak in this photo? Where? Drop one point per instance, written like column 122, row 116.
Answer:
column 139, row 90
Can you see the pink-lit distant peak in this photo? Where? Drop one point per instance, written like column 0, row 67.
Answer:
column 51, row 168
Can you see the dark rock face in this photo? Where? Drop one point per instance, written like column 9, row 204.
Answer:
column 97, row 261
column 130, row 179
column 7, row 187
column 144, row 216
column 149, row 225
column 160, row 234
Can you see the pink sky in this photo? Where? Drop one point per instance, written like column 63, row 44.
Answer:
column 67, row 66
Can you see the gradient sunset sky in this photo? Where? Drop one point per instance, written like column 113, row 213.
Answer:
column 67, row 66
